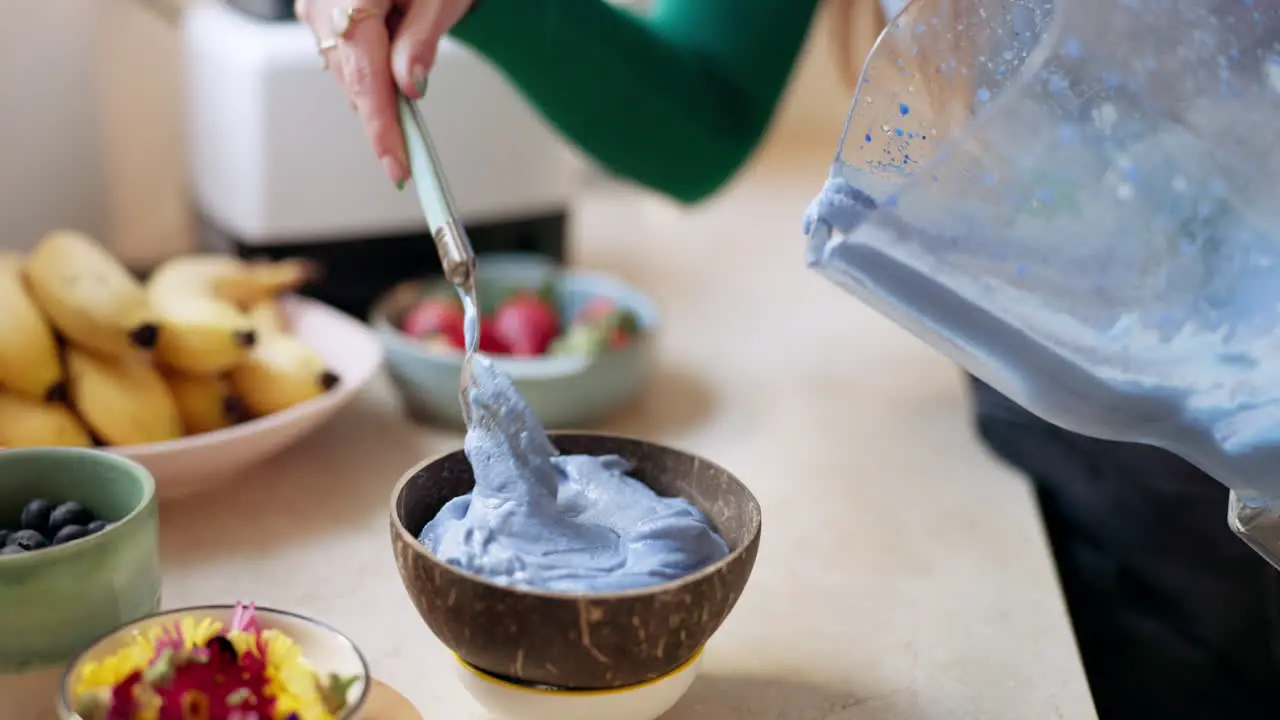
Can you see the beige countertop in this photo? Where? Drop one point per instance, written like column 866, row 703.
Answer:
column 902, row 572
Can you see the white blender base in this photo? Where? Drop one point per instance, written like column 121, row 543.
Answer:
column 277, row 154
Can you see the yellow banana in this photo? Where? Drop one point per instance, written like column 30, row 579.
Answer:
column 206, row 402
column 282, row 371
column 33, row 423
column 200, row 333
column 29, row 362
column 268, row 318
column 260, row 280
column 124, row 402
column 89, row 296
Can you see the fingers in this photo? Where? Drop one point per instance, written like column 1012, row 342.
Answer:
column 361, row 62
column 334, row 65
column 307, row 11
column 365, row 58
column 392, row 47
column 413, row 48
column 416, row 39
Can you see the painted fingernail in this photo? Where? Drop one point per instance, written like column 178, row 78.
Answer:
column 393, row 170
column 400, row 186
column 419, row 77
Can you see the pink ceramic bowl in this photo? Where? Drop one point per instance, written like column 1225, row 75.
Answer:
column 197, row 463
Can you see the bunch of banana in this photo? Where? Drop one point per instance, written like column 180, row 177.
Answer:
column 124, row 401
column 202, row 345
column 198, row 300
column 282, row 371
column 25, row 422
column 89, row 296
column 200, row 333
column 222, row 358
column 29, row 362
column 256, row 281
column 205, row 402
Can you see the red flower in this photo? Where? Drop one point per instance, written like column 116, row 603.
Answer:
column 122, row 698
column 213, row 685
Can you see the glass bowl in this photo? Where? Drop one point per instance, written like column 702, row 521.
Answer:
column 327, row 649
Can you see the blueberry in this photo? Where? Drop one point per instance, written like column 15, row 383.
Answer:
column 35, row 516
column 68, row 513
column 97, row 526
column 11, row 550
column 28, row 540
column 69, row 533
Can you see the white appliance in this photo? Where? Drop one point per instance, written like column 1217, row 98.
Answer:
column 279, row 164
column 277, row 154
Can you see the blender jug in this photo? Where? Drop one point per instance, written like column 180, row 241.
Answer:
column 1075, row 201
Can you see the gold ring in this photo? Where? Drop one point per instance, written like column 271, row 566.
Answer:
column 324, row 46
column 344, row 19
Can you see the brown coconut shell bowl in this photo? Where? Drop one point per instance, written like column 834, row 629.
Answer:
column 597, row 641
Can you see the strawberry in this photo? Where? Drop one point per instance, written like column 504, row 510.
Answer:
column 435, row 315
column 618, row 338
column 618, row 324
column 595, row 310
column 455, row 335
column 489, row 341
column 526, row 324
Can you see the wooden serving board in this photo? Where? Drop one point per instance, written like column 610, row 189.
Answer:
column 384, row 703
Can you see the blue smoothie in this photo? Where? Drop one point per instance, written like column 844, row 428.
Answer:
column 564, row 523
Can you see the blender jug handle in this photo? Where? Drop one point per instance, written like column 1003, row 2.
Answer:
column 1256, row 520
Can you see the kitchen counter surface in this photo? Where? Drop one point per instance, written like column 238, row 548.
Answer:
column 903, row 573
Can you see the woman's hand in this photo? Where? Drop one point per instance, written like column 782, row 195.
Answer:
column 376, row 47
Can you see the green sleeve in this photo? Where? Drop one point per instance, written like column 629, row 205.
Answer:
column 677, row 100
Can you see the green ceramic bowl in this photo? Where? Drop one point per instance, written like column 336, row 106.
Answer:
column 55, row 602
column 566, row 391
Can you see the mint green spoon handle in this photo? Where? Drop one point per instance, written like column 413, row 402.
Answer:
column 456, row 255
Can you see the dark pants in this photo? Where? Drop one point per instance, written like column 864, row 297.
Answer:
column 1175, row 617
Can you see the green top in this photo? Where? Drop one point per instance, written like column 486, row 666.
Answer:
column 676, row 100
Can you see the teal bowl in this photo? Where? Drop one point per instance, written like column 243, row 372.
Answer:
column 57, row 601
column 564, row 391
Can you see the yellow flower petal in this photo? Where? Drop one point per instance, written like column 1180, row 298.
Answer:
column 291, row 680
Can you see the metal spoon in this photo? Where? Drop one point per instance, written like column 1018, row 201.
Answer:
column 457, row 258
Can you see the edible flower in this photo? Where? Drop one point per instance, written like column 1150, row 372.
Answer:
column 195, row 669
